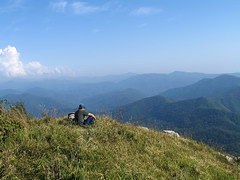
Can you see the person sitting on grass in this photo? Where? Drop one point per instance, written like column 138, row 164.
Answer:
column 82, row 117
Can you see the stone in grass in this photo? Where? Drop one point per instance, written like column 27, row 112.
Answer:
column 230, row 159
column 145, row 128
column 172, row 133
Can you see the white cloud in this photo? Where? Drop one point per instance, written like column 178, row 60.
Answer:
column 35, row 68
column 84, row 8
column 59, row 6
column 145, row 11
column 77, row 7
column 12, row 66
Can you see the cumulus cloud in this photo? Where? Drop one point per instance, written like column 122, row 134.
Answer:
column 145, row 11
column 36, row 68
column 12, row 66
column 77, row 7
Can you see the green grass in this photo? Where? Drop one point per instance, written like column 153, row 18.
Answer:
column 56, row 149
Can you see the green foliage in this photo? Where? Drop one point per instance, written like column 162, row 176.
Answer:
column 12, row 119
column 51, row 148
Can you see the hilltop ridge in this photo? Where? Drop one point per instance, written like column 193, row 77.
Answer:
column 51, row 148
column 209, row 87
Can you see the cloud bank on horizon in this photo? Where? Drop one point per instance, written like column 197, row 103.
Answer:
column 12, row 66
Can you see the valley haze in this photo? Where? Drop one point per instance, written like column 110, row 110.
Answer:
column 142, row 67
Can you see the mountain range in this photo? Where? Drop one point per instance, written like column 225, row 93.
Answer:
column 206, row 87
column 208, row 111
column 38, row 106
column 97, row 93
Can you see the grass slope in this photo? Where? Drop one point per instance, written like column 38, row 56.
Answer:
column 56, row 149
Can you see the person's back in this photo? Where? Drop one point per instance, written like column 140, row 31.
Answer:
column 81, row 114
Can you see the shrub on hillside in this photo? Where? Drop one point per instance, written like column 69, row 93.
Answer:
column 12, row 119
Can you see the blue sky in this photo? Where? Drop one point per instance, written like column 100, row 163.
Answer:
column 99, row 37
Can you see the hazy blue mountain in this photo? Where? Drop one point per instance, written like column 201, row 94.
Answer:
column 150, row 84
column 37, row 105
column 52, row 84
column 111, row 100
column 204, row 119
column 107, row 78
column 103, row 94
column 38, row 91
column 4, row 92
column 26, row 83
column 70, row 93
column 235, row 74
column 38, row 100
column 207, row 87
column 153, row 84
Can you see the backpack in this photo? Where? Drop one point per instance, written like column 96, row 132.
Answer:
column 71, row 116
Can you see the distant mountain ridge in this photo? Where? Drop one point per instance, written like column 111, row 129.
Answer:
column 153, row 84
column 111, row 100
column 37, row 105
column 207, row 87
column 99, row 93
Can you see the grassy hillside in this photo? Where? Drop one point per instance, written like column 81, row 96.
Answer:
column 56, row 149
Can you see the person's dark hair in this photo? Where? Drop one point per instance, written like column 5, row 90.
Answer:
column 81, row 106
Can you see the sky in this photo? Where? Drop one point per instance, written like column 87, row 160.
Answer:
column 100, row 37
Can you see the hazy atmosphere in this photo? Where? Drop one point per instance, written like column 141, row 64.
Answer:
column 120, row 89
column 95, row 38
